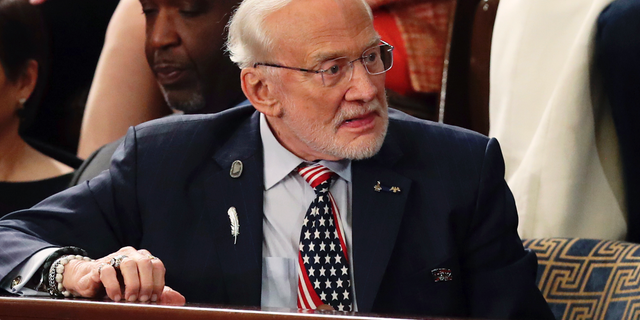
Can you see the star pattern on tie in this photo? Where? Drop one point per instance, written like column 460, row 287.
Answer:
column 324, row 267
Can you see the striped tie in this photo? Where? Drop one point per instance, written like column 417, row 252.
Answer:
column 323, row 274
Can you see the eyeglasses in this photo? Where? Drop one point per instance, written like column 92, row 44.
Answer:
column 376, row 60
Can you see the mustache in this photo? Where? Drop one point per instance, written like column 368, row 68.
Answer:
column 357, row 111
column 164, row 59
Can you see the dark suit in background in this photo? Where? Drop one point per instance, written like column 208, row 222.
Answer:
column 169, row 190
column 617, row 52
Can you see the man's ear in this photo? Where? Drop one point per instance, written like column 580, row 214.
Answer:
column 260, row 91
column 28, row 79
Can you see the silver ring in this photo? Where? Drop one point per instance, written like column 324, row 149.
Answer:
column 100, row 267
column 117, row 260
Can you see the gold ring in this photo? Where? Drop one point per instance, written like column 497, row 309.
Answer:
column 151, row 257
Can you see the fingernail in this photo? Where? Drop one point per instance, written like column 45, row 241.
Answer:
column 154, row 297
column 144, row 298
column 117, row 298
column 132, row 298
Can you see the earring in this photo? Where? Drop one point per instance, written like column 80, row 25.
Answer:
column 21, row 111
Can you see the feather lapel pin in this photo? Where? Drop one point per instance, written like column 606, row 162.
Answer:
column 235, row 226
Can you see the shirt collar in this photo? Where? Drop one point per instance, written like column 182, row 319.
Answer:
column 279, row 162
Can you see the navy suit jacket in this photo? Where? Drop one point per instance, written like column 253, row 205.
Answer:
column 169, row 188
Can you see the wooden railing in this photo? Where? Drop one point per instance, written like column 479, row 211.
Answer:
column 22, row 308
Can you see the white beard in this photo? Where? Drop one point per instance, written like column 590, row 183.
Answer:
column 315, row 136
column 193, row 103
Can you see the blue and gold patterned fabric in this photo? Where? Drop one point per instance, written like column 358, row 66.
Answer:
column 589, row 279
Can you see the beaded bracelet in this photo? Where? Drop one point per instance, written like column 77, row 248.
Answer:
column 56, row 289
column 43, row 283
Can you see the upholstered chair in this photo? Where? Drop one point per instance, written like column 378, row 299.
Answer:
column 589, row 279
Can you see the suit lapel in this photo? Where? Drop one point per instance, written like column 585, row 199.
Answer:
column 376, row 219
column 241, row 263
column 376, row 215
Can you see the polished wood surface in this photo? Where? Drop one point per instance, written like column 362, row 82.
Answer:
column 22, row 308
column 479, row 65
column 464, row 99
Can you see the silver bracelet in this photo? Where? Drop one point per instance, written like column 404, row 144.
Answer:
column 56, row 289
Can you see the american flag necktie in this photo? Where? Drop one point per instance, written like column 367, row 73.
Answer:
column 323, row 273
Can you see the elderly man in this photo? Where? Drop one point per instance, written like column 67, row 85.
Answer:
column 321, row 199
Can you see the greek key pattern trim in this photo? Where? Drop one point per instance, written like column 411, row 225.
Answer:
column 588, row 279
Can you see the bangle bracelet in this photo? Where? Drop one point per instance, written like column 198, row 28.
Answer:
column 56, row 289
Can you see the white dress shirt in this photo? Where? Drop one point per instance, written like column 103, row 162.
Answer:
column 287, row 197
column 23, row 273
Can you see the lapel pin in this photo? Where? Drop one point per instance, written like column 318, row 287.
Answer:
column 378, row 188
column 236, row 169
column 441, row 275
column 235, row 226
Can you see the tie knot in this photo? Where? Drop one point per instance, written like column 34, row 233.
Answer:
column 315, row 174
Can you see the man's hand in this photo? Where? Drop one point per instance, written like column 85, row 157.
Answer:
column 37, row 1
column 141, row 273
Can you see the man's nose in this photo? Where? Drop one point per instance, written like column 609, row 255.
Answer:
column 361, row 86
column 163, row 31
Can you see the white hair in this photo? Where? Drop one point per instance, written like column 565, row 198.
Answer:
column 249, row 40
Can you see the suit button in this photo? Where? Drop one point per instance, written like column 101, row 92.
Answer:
column 16, row 281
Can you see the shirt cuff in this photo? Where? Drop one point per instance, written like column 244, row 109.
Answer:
column 14, row 282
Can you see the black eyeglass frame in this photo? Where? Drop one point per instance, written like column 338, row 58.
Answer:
column 382, row 43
